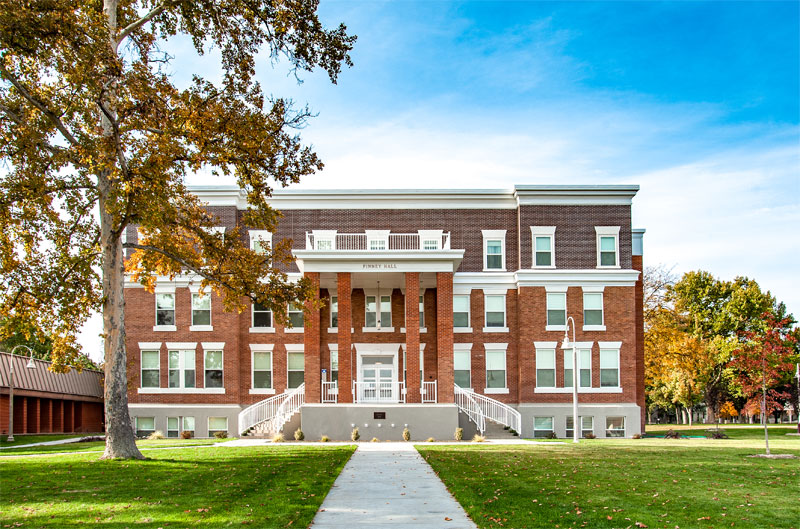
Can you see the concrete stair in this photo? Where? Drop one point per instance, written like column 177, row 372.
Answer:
column 496, row 430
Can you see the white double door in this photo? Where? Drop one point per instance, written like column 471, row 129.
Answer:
column 378, row 380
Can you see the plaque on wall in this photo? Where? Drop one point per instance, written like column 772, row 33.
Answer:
column 379, row 415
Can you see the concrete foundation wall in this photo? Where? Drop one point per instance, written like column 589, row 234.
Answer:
column 599, row 412
column 200, row 414
column 423, row 420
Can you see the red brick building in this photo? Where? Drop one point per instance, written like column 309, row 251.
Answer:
column 442, row 308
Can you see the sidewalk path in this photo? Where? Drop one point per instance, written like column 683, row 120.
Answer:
column 47, row 443
column 389, row 485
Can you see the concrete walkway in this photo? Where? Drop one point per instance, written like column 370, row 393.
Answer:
column 389, row 485
column 48, row 443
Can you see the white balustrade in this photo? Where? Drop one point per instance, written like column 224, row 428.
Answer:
column 330, row 392
column 394, row 242
column 429, row 394
column 465, row 400
column 379, row 391
column 272, row 413
column 495, row 410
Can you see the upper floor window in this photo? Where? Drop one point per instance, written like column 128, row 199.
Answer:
column 295, row 315
column 545, row 368
column 201, row 309
column 461, row 310
column 430, row 239
column 543, row 246
column 295, row 366
column 262, row 316
column 609, row 364
column 260, row 241
column 494, row 249
column 376, row 317
column 495, row 369
column 377, row 240
column 324, row 239
column 584, row 368
column 593, row 309
column 334, row 305
column 165, row 309
column 607, row 246
column 262, row 369
column 334, row 365
column 462, row 365
column 213, row 369
column 556, row 309
column 181, row 369
column 495, row 311
column 151, row 369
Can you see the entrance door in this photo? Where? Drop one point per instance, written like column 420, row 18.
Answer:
column 377, row 379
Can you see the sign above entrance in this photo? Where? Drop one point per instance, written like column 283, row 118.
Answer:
column 379, row 261
column 379, row 266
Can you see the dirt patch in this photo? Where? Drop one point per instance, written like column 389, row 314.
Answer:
column 775, row 456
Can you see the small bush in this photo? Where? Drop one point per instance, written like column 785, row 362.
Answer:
column 552, row 435
column 158, row 434
column 299, row 435
column 716, row 434
column 636, row 436
column 478, row 438
column 187, row 434
column 324, row 439
column 430, row 440
column 590, row 435
column 354, row 435
column 221, row 435
column 278, row 438
column 374, row 440
column 513, row 432
column 406, row 434
column 459, row 434
column 672, row 434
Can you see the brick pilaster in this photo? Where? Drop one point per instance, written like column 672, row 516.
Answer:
column 413, row 383
column 344, row 339
column 22, row 425
column 444, row 334
column 639, row 308
column 311, row 348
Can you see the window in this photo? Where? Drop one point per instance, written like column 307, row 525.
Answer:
column 262, row 370
column 371, row 319
column 262, row 316
column 421, row 312
column 334, row 312
column 461, row 311
column 334, row 366
column 495, row 311
column 430, row 244
column 609, row 368
column 151, row 370
column 593, row 309
column 324, row 239
column 587, row 425
column 615, row 426
column 494, row 249
column 216, row 425
column 173, row 429
column 165, row 309
column 181, row 369
column 462, row 367
column 556, row 309
column 188, row 425
column 543, row 245
column 545, row 368
column 584, row 368
column 430, row 239
column 260, row 241
column 542, row 427
column 296, row 369
column 607, row 246
column 201, row 310
column 145, row 426
column 495, row 369
column 213, row 368
column 295, row 315
column 377, row 240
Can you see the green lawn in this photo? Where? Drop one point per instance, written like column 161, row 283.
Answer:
column 99, row 446
column 656, row 483
column 206, row 487
column 734, row 431
column 23, row 439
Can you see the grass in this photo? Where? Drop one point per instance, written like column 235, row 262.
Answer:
column 99, row 446
column 23, row 439
column 734, row 431
column 199, row 487
column 656, row 483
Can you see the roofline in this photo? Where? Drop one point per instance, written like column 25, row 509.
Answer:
column 49, row 362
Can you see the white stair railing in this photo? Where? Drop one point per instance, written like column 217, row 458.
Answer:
column 272, row 412
column 429, row 393
column 499, row 412
column 465, row 400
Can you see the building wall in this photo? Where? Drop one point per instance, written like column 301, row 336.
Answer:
column 33, row 415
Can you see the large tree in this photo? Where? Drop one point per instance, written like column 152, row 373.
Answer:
column 96, row 137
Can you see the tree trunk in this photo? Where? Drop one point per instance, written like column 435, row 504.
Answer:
column 764, row 414
column 689, row 413
column 120, row 438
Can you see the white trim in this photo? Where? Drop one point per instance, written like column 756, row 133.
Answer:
column 259, row 235
column 593, row 289
column 495, row 329
column 580, row 390
column 495, row 346
column 214, row 350
column 213, row 345
column 578, row 345
column 490, row 235
column 555, row 328
column 165, row 328
column 150, row 346
column 404, row 345
column 594, row 327
column 201, row 328
column 181, row 345
column 195, row 288
column 262, row 330
column 496, row 391
column 607, row 277
column 430, row 235
column 162, row 288
column 461, row 290
column 610, row 345
column 141, row 406
column 156, row 350
column 193, row 327
column 294, row 347
column 495, row 291
column 294, row 330
column 462, row 330
column 556, row 289
column 543, row 231
column 261, row 391
column 545, row 345
column 504, row 328
column 463, row 347
column 262, row 347
column 218, row 391
column 607, row 231
column 382, row 329
column 324, row 235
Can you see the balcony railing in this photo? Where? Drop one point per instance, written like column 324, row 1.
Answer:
column 379, row 391
column 366, row 242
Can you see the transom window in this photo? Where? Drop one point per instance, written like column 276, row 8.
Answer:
column 262, row 369
column 461, row 310
column 213, row 369
column 557, row 308
column 593, row 308
column 495, row 310
column 545, row 368
column 165, row 309
column 372, row 318
column 151, row 369
column 262, row 316
column 495, row 369
column 295, row 365
column 201, row 309
column 181, row 369
column 607, row 246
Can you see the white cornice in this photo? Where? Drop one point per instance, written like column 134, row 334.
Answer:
column 377, row 261
column 576, row 278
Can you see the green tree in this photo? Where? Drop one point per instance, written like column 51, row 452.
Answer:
column 97, row 137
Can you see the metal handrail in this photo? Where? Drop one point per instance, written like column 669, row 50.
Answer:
column 499, row 412
column 379, row 391
column 466, row 402
column 429, row 392
column 273, row 411
column 330, row 392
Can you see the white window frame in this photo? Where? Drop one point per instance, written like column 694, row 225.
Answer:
column 299, row 328
column 624, row 426
column 195, row 290
column 614, row 348
column 493, row 235
column 209, row 347
column 324, row 236
column 584, row 431
column 496, row 347
column 149, row 348
column 253, row 328
column 176, row 430
column 182, row 368
column 380, row 237
column 260, row 236
column 543, row 349
column 331, row 304
column 552, row 428
column 333, row 351
column 185, row 426
column 468, row 328
column 581, row 348
column 555, row 291
column 262, row 348
column 608, row 231
column 543, row 231
column 463, row 348
column 208, row 424
column 136, row 425
column 428, row 236
column 294, row 348
column 378, row 309
column 595, row 291
column 494, row 293
column 165, row 289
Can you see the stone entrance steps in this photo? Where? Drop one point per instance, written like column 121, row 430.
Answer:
column 495, row 430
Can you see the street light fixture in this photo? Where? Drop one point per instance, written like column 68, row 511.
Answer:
column 29, row 365
column 576, row 426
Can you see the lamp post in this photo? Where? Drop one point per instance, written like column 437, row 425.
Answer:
column 575, row 423
column 29, row 365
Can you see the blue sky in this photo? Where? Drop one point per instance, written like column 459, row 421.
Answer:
column 697, row 102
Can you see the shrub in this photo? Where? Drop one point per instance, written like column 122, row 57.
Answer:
column 324, row 439
column 716, row 434
column 513, row 432
column 637, row 436
column 552, row 435
column 478, row 438
column 672, row 434
column 299, row 435
column 158, row 434
column 278, row 438
column 374, row 440
column 430, row 440
column 187, row 434
column 354, row 435
column 221, row 435
column 590, row 435
column 406, row 434
column 459, row 434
